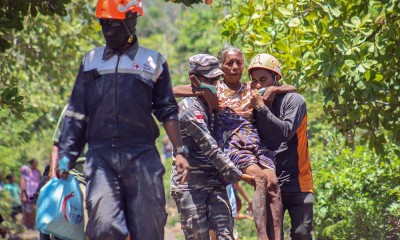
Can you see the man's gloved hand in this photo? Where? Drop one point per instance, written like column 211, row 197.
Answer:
column 63, row 166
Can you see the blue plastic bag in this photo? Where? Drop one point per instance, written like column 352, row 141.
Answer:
column 60, row 209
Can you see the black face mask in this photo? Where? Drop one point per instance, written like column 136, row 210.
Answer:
column 118, row 32
column 116, row 36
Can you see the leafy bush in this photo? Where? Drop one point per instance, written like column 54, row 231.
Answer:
column 5, row 209
column 357, row 192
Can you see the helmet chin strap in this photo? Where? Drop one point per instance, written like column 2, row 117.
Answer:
column 274, row 76
column 130, row 33
column 130, row 22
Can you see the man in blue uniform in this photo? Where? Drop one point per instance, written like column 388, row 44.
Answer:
column 117, row 89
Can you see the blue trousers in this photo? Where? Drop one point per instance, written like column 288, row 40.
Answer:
column 125, row 193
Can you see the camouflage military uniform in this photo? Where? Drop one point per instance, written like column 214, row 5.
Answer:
column 203, row 201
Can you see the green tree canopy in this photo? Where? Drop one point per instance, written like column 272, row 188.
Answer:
column 14, row 12
column 38, row 71
column 349, row 50
column 14, row 16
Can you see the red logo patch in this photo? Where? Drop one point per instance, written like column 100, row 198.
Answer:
column 137, row 66
column 199, row 116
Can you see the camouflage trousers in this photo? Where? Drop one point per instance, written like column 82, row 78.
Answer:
column 205, row 209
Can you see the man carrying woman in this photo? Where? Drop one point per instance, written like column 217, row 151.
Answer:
column 286, row 118
column 202, row 201
column 238, row 137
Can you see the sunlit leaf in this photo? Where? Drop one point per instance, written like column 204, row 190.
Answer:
column 294, row 22
column 285, row 12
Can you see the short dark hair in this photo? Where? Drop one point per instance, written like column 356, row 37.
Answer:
column 32, row 160
column 9, row 176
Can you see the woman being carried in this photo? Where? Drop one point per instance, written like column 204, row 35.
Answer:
column 237, row 135
column 239, row 138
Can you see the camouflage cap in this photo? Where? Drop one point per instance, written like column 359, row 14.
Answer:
column 205, row 65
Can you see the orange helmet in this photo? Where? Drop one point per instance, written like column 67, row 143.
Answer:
column 117, row 9
column 265, row 61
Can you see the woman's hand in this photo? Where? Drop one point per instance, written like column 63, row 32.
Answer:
column 249, row 209
column 256, row 101
column 210, row 98
column 207, row 94
column 269, row 96
column 249, row 179
column 271, row 91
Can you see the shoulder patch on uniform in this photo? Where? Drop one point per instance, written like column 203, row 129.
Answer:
column 199, row 116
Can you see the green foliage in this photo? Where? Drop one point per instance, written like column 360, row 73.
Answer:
column 5, row 204
column 205, row 38
column 13, row 13
column 187, row 3
column 44, row 53
column 170, row 29
column 43, row 63
column 348, row 49
column 11, row 100
column 357, row 192
column 342, row 55
column 38, row 71
column 246, row 229
column 5, row 210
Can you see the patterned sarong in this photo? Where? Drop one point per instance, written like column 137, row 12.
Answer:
column 239, row 139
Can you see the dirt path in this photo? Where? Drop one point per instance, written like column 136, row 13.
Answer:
column 34, row 235
column 169, row 234
column 27, row 235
